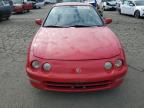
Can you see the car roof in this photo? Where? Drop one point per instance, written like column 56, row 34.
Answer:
column 72, row 4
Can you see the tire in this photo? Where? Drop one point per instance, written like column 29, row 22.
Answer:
column 104, row 8
column 100, row 12
column 137, row 14
column 28, row 10
column 119, row 11
column 7, row 18
column 38, row 7
column 23, row 11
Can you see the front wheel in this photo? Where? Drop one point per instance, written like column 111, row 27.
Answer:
column 119, row 11
column 137, row 14
column 104, row 8
column 101, row 13
column 7, row 18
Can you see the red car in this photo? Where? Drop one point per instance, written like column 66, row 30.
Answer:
column 20, row 6
column 74, row 51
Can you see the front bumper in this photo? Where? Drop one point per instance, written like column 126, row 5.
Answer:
column 77, row 82
column 5, row 14
column 110, row 7
column 142, row 14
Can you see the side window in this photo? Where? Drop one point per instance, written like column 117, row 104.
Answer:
column 125, row 2
column 130, row 3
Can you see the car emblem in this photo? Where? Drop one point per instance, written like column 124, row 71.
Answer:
column 78, row 70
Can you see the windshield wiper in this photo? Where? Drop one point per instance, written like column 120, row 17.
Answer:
column 55, row 26
column 82, row 25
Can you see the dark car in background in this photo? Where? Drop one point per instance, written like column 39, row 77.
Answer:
column 5, row 9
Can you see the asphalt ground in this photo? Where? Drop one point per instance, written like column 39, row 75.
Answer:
column 16, row 92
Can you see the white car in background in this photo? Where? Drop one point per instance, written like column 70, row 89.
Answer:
column 109, row 4
column 119, row 2
column 50, row 1
column 135, row 8
column 37, row 4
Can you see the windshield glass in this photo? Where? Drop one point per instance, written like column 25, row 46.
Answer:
column 17, row 1
column 139, row 3
column 66, row 16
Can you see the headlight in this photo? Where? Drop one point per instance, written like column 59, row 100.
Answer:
column 47, row 67
column 118, row 63
column 35, row 64
column 108, row 65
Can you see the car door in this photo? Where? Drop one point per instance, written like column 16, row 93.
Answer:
column 1, row 8
column 5, row 9
column 123, row 7
column 131, row 8
column 27, row 5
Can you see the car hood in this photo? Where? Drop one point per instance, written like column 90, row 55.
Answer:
column 112, row 2
column 75, row 43
column 140, row 7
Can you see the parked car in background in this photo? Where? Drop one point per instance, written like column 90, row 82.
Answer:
column 37, row 4
column 72, row 0
column 135, row 8
column 21, row 6
column 109, row 4
column 92, row 2
column 100, row 7
column 119, row 2
column 74, row 51
column 50, row 1
column 5, row 9
column 97, row 4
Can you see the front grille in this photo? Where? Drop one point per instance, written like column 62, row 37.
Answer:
column 78, row 85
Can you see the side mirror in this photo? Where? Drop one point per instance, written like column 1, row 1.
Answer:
column 107, row 20
column 38, row 21
column 131, row 4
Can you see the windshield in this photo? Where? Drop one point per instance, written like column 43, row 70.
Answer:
column 66, row 16
column 139, row 3
column 17, row 1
